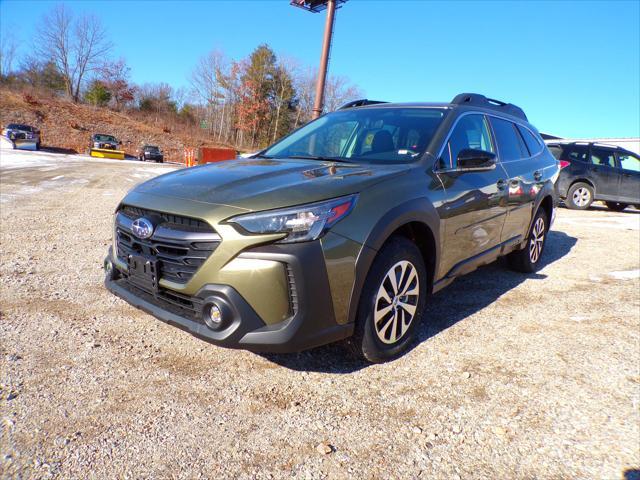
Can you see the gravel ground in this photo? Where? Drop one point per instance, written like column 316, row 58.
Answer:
column 514, row 376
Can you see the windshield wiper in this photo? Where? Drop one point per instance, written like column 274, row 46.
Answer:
column 322, row 159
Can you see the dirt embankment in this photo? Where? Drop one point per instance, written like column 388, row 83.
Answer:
column 68, row 126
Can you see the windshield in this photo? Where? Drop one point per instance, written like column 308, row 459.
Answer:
column 104, row 138
column 376, row 135
column 152, row 149
column 18, row 126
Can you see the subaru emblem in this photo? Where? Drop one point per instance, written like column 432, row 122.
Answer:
column 142, row 228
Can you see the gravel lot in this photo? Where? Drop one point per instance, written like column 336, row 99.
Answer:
column 514, row 376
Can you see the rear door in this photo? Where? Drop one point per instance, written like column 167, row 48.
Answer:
column 604, row 172
column 629, row 190
column 524, row 171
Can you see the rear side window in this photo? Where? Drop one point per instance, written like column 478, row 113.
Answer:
column 601, row 156
column 578, row 153
column 534, row 146
column 510, row 144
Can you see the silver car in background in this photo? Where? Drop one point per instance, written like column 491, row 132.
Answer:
column 22, row 135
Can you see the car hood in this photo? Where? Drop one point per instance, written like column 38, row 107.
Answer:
column 261, row 184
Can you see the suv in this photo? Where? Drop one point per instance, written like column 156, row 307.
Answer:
column 341, row 229
column 21, row 134
column 151, row 152
column 593, row 171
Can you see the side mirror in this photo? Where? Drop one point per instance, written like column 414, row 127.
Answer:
column 470, row 159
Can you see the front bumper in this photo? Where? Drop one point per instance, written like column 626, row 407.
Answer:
column 311, row 323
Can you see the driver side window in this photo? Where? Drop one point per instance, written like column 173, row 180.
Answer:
column 471, row 131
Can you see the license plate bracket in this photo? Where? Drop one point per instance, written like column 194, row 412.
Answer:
column 143, row 272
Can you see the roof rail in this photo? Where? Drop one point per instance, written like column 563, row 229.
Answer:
column 360, row 103
column 482, row 101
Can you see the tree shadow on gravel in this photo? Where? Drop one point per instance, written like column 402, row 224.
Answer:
column 464, row 297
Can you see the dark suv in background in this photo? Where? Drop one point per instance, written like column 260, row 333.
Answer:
column 151, row 153
column 341, row 229
column 593, row 171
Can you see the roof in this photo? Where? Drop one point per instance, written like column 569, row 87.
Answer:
column 471, row 100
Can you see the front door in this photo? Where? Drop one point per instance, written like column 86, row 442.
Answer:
column 604, row 172
column 629, row 191
column 474, row 208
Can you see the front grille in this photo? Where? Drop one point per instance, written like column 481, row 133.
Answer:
column 172, row 221
column 179, row 244
column 177, row 303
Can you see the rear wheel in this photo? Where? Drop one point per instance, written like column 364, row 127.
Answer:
column 579, row 196
column 391, row 302
column 616, row 206
column 527, row 259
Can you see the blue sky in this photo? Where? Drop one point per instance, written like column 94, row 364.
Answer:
column 573, row 66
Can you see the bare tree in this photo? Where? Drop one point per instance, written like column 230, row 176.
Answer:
column 209, row 86
column 7, row 53
column 76, row 46
column 338, row 91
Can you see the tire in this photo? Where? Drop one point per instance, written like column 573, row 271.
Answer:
column 399, row 259
column 616, row 206
column 579, row 196
column 38, row 146
column 527, row 259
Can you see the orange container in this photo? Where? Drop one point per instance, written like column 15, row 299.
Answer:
column 211, row 155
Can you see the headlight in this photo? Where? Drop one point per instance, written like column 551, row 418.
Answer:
column 303, row 223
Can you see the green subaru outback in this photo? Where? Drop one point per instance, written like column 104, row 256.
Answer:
column 341, row 229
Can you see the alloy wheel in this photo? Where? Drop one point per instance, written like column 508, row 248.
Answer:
column 396, row 302
column 581, row 197
column 537, row 240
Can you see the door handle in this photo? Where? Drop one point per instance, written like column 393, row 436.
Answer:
column 501, row 184
column 537, row 175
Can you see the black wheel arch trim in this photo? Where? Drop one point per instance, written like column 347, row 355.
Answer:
column 418, row 210
column 547, row 191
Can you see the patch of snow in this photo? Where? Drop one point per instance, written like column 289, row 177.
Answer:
column 626, row 221
column 625, row 275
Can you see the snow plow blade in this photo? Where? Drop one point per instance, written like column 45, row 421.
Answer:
column 106, row 153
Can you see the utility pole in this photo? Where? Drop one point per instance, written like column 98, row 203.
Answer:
column 316, row 6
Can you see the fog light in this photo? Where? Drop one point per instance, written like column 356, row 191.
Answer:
column 214, row 317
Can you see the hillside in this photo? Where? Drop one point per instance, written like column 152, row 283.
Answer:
column 68, row 126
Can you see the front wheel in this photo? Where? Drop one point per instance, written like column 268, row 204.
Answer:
column 616, row 206
column 579, row 196
column 527, row 259
column 391, row 302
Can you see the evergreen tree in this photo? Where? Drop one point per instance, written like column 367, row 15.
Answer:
column 97, row 94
